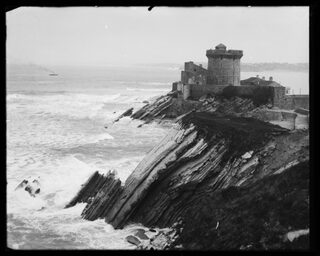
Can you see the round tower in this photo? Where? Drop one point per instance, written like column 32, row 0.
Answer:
column 223, row 66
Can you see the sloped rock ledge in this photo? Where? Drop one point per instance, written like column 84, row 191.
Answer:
column 207, row 152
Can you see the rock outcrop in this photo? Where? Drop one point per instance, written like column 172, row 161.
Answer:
column 209, row 151
column 30, row 185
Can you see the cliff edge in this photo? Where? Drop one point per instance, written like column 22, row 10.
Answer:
column 230, row 181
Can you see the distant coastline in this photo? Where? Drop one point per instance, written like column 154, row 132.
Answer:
column 252, row 67
column 247, row 67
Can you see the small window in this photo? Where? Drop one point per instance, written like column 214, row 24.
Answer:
column 194, row 70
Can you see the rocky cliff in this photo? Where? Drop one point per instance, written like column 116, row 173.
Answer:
column 216, row 172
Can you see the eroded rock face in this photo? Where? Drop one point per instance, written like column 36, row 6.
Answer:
column 269, row 214
column 92, row 193
column 206, row 152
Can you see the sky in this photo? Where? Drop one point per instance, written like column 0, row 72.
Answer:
column 98, row 36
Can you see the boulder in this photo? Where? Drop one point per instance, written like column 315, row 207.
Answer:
column 247, row 155
column 31, row 185
column 133, row 240
column 141, row 234
column 126, row 113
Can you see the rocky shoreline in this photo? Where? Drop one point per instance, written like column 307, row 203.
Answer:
column 222, row 178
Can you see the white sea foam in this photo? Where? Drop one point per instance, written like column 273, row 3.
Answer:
column 147, row 89
column 60, row 136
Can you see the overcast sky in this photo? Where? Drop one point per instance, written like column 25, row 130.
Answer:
column 128, row 35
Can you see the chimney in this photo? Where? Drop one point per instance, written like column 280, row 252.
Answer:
column 257, row 76
column 270, row 78
column 263, row 78
column 200, row 65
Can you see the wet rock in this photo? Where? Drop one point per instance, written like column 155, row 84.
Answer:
column 179, row 166
column 97, row 186
column 201, row 156
column 133, row 240
column 145, row 101
column 203, row 98
column 31, row 185
column 141, row 234
column 126, row 113
column 247, row 155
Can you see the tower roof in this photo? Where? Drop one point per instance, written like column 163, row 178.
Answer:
column 221, row 47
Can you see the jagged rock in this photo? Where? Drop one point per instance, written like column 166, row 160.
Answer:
column 31, row 185
column 133, row 240
column 126, row 113
column 202, row 144
column 247, row 155
column 141, row 234
column 200, row 156
column 203, row 98
column 258, row 215
column 95, row 185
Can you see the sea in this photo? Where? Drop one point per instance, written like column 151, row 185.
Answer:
column 60, row 130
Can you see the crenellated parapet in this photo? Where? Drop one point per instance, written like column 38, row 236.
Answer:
column 232, row 54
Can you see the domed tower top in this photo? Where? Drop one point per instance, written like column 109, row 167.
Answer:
column 221, row 47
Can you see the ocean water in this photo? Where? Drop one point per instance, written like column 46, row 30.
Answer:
column 56, row 133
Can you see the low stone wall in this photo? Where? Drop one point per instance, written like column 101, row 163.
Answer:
column 279, row 100
column 302, row 122
column 300, row 101
column 199, row 90
column 245, row 90
column 282, row 118
column 295, row 101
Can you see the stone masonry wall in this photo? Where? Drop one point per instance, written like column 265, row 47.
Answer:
column 193, row 73
column 223, row 71
column 294, row 102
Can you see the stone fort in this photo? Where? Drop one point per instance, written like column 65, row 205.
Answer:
column 224, row 69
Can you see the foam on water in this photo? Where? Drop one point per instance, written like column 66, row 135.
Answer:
column 61, row 137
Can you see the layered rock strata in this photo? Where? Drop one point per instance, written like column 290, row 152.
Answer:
column 208, row 151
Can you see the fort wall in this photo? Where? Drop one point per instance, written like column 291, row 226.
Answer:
column 292, row 101
column 193, row 73
column 223, row 71
column 197, row 91
column 223, row 66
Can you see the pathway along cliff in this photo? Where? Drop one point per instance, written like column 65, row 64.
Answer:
column 222, row 179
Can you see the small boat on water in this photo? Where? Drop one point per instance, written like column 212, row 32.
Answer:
column 53, row 74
